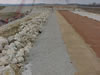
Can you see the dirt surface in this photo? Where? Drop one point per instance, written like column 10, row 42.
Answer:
column 2, row 7
column 92, row 9
column 16, row 8
column 7, row 15
column 80, row 53
column 89, row 29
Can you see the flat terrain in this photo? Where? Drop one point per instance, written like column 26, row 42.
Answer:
column 92, row 9
column 68, row 45
column 15, row 8
column 49, row 55
column 2, row 7
column 87, row 14
column 89, row 29
column 81, row 54
column 7, row 15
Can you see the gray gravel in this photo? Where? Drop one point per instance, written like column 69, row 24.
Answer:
column 49, row 55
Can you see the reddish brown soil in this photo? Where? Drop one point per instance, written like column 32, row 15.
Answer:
column 89, row 29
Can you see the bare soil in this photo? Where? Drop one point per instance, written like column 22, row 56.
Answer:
column 81, row 54
column 93, row 10
column 89, row 29
column 7, row 15
column 1, row 7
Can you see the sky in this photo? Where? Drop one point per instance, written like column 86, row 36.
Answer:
column 48, row 1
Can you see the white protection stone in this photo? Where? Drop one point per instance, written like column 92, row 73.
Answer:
column 4, row 60
column 3, row 42
column 20, row 53
column 14, row 61
column 8, row 71
column 20, row 59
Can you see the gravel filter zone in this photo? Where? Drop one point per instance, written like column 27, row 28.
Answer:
column 49, row 55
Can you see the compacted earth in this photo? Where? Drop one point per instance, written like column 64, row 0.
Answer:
column 88, row 28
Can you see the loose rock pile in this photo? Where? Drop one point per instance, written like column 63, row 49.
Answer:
column 14, row 49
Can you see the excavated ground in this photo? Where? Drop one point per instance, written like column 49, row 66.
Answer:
column 81, row 54
column 89, row 29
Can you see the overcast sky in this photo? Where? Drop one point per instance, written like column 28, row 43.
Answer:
column 48, row 1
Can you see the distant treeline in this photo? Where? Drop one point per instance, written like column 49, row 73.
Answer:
column 90, row 5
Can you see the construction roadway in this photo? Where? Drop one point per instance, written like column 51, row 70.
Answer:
column 65, row 47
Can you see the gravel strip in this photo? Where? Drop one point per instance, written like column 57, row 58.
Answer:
column 49, row 55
